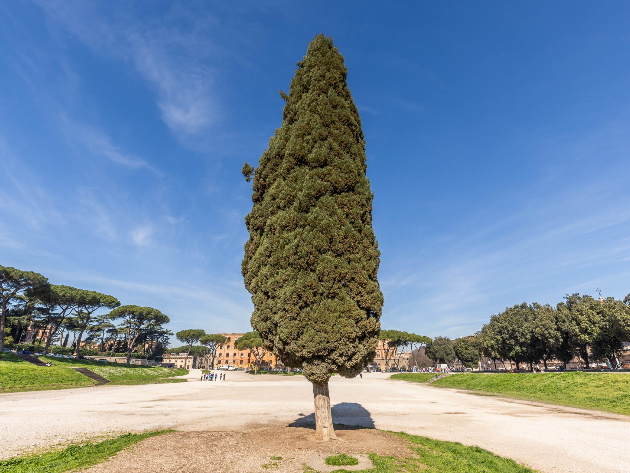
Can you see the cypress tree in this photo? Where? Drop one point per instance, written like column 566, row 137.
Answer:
column 311, row 260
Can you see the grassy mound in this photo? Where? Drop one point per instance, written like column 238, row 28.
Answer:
column 341, row 460
column 118, row 373
column 19, row 375
column 602, row 391
column 74, row 456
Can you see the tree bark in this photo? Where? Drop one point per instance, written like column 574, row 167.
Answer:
column 77, row 351
column 324, row 429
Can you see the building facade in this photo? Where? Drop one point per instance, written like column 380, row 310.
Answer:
column 226, row 355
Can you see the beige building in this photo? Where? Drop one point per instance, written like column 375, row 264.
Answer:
column 385, row 359
column 227, row 354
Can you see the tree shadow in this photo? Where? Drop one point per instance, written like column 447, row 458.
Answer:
column 346, row 416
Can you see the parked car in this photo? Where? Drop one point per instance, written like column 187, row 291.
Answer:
column 103, row 359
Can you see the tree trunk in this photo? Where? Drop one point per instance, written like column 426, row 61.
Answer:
column 77, row 350
column 2, row 323
column 323, row 415
column 584, row 355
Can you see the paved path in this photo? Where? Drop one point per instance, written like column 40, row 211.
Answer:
column 549, row 438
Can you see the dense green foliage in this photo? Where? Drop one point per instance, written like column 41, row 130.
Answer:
column 441, row 350
column 311, row 260
column 74, row 456
column 578, row 326
column 137, row 321
column 29, row 302
column 602, row 391
column 468, row 350
column 13, row 284
column 254, row 343
column 395, row 340
column 190, row 336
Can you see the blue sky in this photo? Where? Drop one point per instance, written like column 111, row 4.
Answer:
column 497, row 140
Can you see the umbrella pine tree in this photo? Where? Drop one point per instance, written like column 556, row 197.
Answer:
column 311, row 260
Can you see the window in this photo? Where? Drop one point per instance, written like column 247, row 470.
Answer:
column 228, row 347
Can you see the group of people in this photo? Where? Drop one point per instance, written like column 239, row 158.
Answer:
column 213, row 376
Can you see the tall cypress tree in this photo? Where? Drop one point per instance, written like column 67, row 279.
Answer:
column 312, row 258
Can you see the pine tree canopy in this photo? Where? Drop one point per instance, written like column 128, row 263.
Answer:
column 312, row 258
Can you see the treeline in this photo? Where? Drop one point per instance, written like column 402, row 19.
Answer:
column 592, row 330
column 30, row 301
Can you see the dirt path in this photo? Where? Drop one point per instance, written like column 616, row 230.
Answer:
column 548, row 438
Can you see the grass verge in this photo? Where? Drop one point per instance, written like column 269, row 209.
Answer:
column 601, row 391
column 74, row 456
column 436, row 456
column 18, row 375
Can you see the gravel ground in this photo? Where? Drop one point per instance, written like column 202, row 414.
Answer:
column 548, row 438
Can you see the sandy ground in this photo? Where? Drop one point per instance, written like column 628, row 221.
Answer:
column 547, row 438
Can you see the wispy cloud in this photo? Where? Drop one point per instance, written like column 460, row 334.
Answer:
column 100, row 144
column 170, row 60
column 23, row 193
column 141, row 235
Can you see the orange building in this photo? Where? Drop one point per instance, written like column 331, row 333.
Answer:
column 228, row 354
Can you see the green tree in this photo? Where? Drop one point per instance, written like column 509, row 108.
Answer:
column 190, row 337
column 88, row 303
column 468, row 351
column 545, row 337
column 311, row 260
column 212, row 341
column 136, row 321
column 441, row 350
column 13, row 283
column 251, row 341
column 393, row 341
column 580, row 323
column 614, row 329
column 54, row 304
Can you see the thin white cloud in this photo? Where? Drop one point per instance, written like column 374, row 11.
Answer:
column 169, row 58
column 93, row 213
column 23, row 193
column 98, row 143
column 141, row 235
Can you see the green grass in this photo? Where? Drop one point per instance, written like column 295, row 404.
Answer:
column 74, row 456
column 18, row 375
column 415, row 377
column 435, row 456
column 277, row 373
column 608, row 392
column 341, row 460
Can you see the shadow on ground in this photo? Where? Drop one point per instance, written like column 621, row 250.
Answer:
column 346, row 416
